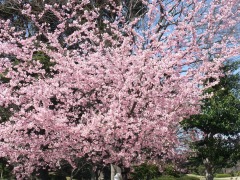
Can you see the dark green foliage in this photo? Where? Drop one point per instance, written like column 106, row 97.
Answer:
column 5, row 114
column 148, row 171
column 145, row 172
column 196, row 169
column 220, row 114
column 3, row 79
column 5, row 169
column 201, row 170
column 219, row 122
column 55, row 176
column 44, row 60
column 171, row 171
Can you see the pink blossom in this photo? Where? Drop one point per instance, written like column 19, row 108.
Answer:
column 115, row 93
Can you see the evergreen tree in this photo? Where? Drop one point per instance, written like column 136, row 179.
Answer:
column 219, row 122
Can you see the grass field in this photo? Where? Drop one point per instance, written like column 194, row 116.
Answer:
column 203, row 178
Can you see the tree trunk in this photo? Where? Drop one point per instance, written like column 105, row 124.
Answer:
column 101, row 176
column 208, row 169
column 112, row 172
column 209, row 175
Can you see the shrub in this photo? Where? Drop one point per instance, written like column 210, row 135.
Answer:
column 171, row 171
column 201, row 170
column 237, row 173
column 145, row 171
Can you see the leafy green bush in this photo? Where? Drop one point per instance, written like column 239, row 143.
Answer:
column 169, row 170
column 223, row 175
column 237, row 173
column 5, row 170
column 201, row 170
column 145, row 171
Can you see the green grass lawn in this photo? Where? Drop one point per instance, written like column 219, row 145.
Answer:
column 225, row 178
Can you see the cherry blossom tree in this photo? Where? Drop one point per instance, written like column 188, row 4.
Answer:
column 114, row 96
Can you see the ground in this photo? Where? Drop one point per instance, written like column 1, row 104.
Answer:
column 228, row 178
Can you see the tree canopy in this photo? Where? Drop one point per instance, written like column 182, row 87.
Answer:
column 112, row 95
